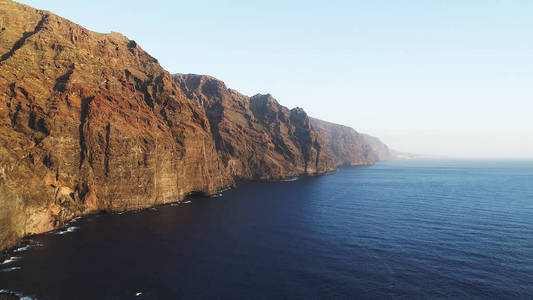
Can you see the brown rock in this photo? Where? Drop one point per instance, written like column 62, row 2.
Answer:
column 91, row 122
column 258, row 138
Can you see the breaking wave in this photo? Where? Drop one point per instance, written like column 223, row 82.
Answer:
column 24, row 248
column 10, row 260
column 74, row 220
column 19, row 295
column 9, row 269
column 69, row 229
column 290, row 179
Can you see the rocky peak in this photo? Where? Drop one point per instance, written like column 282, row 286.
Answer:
column 300, row 117
column 267, row 109
column 205, row 87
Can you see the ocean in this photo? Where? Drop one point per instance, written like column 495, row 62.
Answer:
column 399, row 229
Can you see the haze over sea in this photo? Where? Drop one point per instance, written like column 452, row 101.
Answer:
column 401, row 229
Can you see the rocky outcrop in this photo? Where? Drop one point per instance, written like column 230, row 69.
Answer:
column 256, row 137
column 347, row 145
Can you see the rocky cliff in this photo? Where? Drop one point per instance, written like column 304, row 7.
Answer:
column 380, row 151
column 256, row 137
column 91, row 122
column 347, row 145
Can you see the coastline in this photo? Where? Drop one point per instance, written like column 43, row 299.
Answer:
column 26, row 239
column 72, row 146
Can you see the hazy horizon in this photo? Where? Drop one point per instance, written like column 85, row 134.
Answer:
column 443, row 78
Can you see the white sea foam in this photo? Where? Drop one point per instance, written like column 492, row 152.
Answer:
column 138, row 294
column 216, row 195
column 10, row 260
column 174, row 204
column 21, row 297
column 290, row 179
column 74, row 220
column 27, row 247
column 9, row 269
column 69, row 229
column 188, row 201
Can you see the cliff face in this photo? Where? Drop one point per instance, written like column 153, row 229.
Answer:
column 256, row 137
column 380, row 151
column 347, row 145
column 91, row 122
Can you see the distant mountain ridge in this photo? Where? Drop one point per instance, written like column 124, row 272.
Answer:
column 91, row 122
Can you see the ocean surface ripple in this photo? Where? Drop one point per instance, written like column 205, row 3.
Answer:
column 401, row 229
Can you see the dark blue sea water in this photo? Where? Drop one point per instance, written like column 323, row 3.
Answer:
column 402, row 229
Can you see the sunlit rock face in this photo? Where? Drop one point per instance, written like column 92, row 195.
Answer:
column 91, row 122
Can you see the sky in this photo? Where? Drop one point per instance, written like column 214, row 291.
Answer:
column 451, row 78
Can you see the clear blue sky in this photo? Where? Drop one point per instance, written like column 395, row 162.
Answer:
column 438, row 77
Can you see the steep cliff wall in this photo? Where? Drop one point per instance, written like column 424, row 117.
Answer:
column 347, row 145
column 256, row 137
column 90, row 122
column 380, row 151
